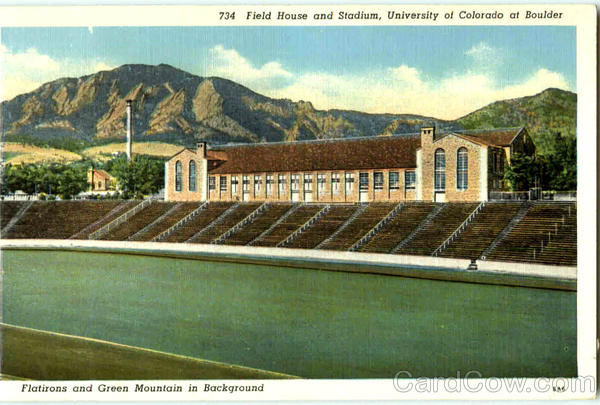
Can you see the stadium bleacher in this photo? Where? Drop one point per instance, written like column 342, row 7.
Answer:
column 238, row 214
column 409, row 217
column 531, row 239
column 259, row 225
column 8, row 209
column 199, row 222
column 532, row 232
column 480, row 233
column 59, row 219
column 138, row 221
column 324, row 227
column 438, row 230
column 362, row 224
column 180, row 211
column 289, row 225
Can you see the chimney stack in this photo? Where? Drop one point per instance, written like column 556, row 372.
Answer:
column 129, row 129
column 427, row 135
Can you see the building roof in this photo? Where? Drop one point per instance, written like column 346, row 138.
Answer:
column 341, row 154
column 491, row 137
column 102, row 173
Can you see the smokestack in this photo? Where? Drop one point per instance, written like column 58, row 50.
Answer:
column 129, row 129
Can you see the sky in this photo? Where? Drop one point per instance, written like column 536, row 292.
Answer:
column 444, row 72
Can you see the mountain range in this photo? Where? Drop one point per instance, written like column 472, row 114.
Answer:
column 178, row 107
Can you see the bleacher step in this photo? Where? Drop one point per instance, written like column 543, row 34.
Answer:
column 285, row 216
column 17, row 217
column 434, row 213
column 506, row 231
column 343, row 226
column 214, row 223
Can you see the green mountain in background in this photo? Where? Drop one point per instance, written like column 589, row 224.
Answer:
column 545, row 114
column 180, row 108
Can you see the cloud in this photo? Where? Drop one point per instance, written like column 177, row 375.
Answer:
column 485, row 58
column 399, row 89
column 230, row 64
column 22, row 72
column 405, row 90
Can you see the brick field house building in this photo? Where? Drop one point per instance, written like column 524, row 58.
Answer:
column 427, row 166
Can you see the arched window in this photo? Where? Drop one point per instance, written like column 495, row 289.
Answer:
column 178, row 176
column 440, row 170
column 192, row 176
column 462, row 168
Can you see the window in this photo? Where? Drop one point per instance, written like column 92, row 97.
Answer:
column 178, row 175
column 245, row 183
column 234, row 184
column 321, row 180
column 222, row 183
column 295, row 182
column 349, row 179
column 280, row 185
column 335, row 182
column 212, row 183
column 308, row 182
column 378, row 180
column 192, row 176
column 440, row 170
column 257, row 184
column 269, row 184
column 363, row 179
column 409, row 180
column 462, row 169
column 394, row 180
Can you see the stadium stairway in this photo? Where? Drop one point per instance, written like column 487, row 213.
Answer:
column 260, row 223
column 288, row 225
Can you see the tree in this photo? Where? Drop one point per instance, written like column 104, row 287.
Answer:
column 562, row 164
column 143, row 175
column 523, row 172
column 66, row 180
column 72, row 181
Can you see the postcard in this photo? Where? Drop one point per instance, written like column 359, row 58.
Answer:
column 309, row 202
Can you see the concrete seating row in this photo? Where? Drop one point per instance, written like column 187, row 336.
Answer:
column 362, row 224
column 259, row 225
column 410, row 216
column 438, row 230
column 289, row 225
column 324, row 227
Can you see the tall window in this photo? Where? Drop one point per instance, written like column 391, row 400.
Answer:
column 349, row 183
column 409, row 180
column 295, row 182
column 178, row 175
column 245, row 184
column 378, row 180
column 222, row 184
column 462, row 168
column 308, row 180
column 212, row 183
column 269, row 184
column 234, row 184
column 394, row 180
column 280, row 185
column 257, row 184
column 440, row 170
column 335, row 182
column 321, row 182
column 192, row 176
column 363, row 181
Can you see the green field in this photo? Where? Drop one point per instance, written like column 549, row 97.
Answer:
column 308, row 323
